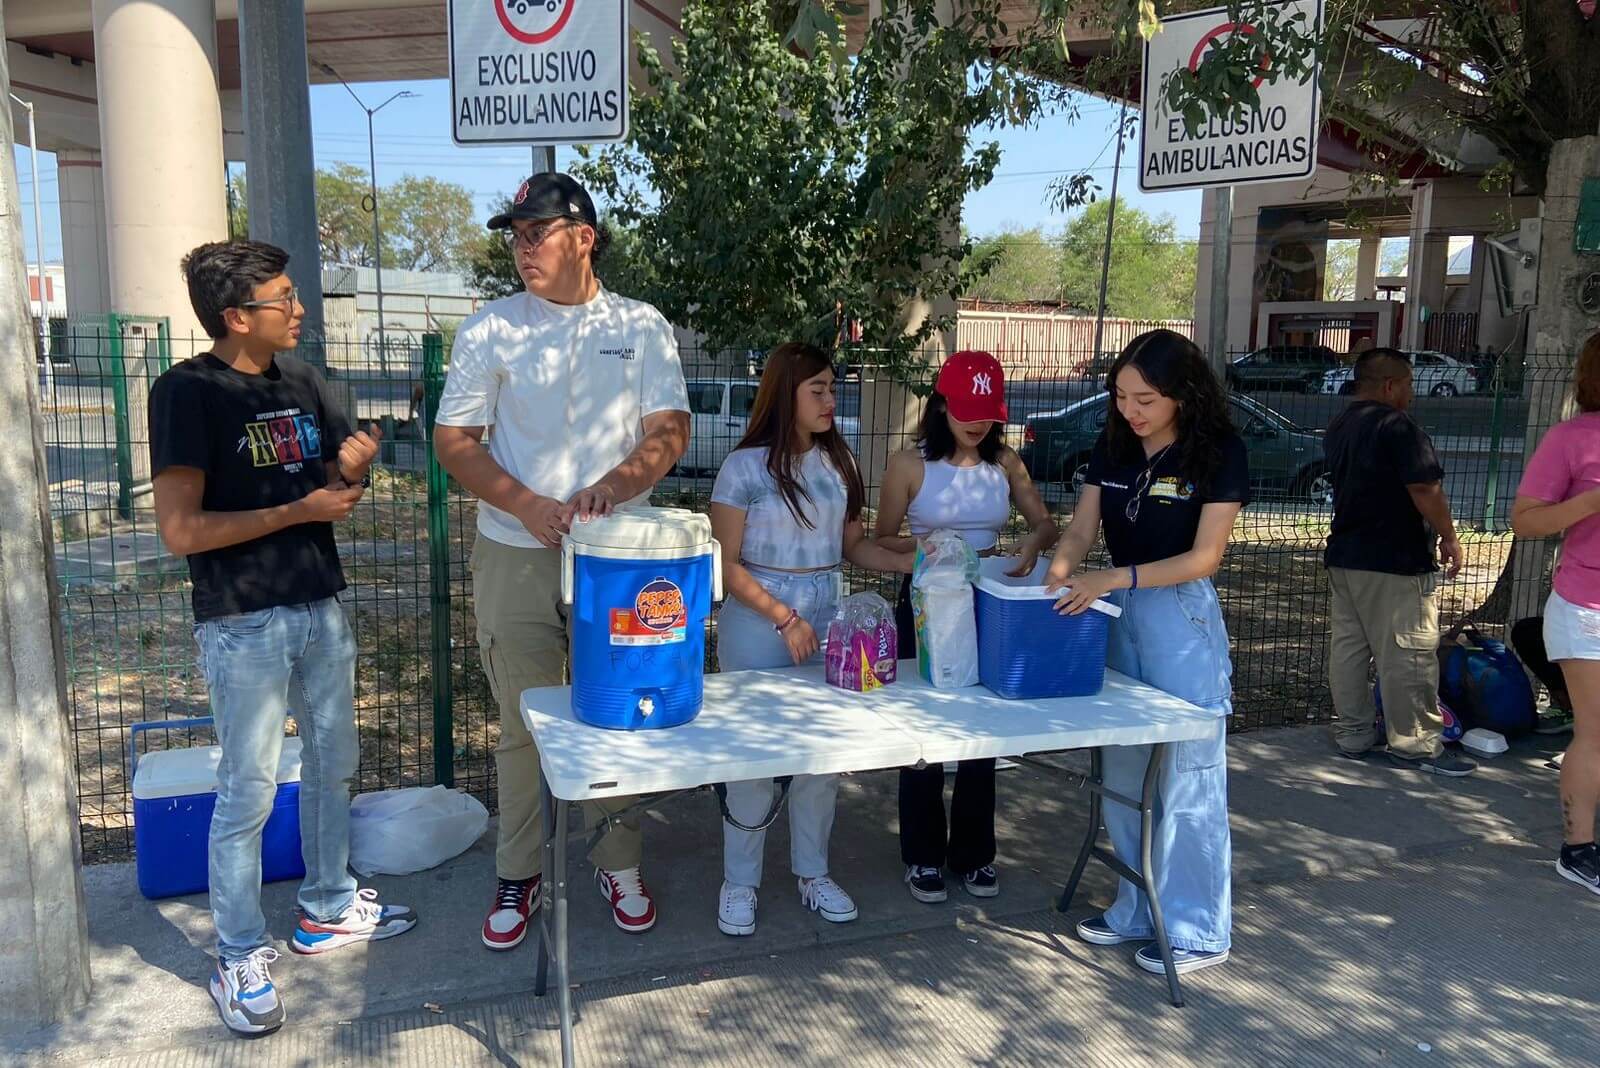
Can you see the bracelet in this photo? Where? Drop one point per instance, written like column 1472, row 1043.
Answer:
column 1133, row 572
column 786, row 624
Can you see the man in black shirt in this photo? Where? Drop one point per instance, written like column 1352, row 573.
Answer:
column 1389, row 510
column 253, row 464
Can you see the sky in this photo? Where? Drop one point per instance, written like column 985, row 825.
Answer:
column 413, row 137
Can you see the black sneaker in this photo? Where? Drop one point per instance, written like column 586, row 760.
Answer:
column 1581, row 864
column 926, row 884
column 1446, row 763
column 982, row 882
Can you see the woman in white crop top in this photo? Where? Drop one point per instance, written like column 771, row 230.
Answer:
column 786, row 508
column 961, row 476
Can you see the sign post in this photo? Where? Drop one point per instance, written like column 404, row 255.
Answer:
column 538, row 72
column 1273, row 142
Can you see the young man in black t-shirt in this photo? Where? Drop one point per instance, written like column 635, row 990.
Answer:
column 253, row 464
column 1389, row 510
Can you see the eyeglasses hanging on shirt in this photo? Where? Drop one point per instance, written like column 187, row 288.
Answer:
column 1141, row 485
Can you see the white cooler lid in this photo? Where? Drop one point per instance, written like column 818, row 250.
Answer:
column 180, row 772
column 643, row 528
column 993, row 580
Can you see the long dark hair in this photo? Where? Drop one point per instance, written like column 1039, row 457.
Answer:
column 936, row 442
column 1175, row 368
column 772, row 426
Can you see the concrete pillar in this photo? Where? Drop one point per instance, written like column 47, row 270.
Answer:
column 280, row 168
column 83, row 234
column 1367, row 254
column 44, row 935
column 161, row 139
column 1430, row 254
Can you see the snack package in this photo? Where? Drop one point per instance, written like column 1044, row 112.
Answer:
column 863, row 645
column 942, row 605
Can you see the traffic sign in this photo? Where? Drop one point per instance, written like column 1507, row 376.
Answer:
column 538, row 72
column 1274, row 142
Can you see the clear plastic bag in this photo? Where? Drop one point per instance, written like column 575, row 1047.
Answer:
column 397, row 832
column 863, row 644
column 942, row 604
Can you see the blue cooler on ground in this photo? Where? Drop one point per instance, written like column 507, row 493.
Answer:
column 174, row 794
column 640, row 582
column 1026, row 649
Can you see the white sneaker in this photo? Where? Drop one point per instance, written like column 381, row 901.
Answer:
column 736, row 911
column 244, row 994
column 823, row 895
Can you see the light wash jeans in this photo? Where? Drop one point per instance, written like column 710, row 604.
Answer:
column 745, row 641
column 1173, row 638
column 259, row 665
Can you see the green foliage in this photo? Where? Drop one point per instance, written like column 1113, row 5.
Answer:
column 776, row 187
column 1027, row 267
column 492, row 270
column 1152, row 272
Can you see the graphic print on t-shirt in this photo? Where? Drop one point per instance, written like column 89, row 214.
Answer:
column 284, row 439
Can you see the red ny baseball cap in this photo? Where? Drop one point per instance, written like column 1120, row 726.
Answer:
column 974, row 387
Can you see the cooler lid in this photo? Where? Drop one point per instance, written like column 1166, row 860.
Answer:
column 180, row 772
column 993, row 580
column 644, row 528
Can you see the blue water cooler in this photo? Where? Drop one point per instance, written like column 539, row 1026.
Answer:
column 640, row 583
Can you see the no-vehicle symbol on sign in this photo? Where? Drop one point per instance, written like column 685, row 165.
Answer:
column 538, row 72
column 1275, row 141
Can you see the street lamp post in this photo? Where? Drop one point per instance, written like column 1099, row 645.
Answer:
column 377, row 231
column 38, row 250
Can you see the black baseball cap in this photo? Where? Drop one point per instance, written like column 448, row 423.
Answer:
column 548, row 196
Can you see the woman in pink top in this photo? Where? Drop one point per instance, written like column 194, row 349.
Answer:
column 1560, row 494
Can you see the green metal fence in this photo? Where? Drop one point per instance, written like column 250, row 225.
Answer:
column 423, row 710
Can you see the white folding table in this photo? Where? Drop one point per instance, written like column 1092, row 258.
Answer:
column 771, row 723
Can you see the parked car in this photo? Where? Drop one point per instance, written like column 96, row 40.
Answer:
column 1432, row 373
column 719, row 414
column 1290, row 368
column 1285, row 459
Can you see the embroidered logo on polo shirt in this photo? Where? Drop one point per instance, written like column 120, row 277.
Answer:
column 1172, row 489
column 1108, row 484
column 621, row 352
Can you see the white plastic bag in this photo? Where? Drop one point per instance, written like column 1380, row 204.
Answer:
column 397, row 832
column 942, row 604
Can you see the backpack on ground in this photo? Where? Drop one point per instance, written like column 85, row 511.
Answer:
column 1484, row 684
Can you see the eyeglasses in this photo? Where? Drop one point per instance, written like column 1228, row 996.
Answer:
column 288, row 300
column 1141, row 485
column 535, row 236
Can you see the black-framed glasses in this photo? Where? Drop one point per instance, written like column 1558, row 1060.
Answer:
column 288, row 300
column 535, row 236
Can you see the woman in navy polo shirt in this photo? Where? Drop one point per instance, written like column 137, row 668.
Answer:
column 1166, row 481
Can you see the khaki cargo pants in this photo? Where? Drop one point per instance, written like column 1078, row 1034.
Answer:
column 1393, row 621
column 522, row 642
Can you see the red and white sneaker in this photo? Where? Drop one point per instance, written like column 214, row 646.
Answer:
column 631, row 905
column 507, row 923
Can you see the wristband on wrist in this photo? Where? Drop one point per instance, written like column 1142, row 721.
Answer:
column 787, row 623
column 1133, row 576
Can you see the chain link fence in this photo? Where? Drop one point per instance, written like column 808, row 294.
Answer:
column 423, row 709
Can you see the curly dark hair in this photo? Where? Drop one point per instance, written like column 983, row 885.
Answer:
column 1175, row 367
column 602, row 242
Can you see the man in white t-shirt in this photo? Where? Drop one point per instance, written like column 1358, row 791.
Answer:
column 583, row 396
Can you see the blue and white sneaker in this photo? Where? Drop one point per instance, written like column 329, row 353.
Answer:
column 363, row 921
column 1183, row 960
column 246, row 999
column 1097, row 932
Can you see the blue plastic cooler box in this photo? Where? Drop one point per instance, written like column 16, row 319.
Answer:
column 640, row 582
column 174, row 795
column 1025, row 648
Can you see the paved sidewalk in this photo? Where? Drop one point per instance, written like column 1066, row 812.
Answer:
column 1381, row 917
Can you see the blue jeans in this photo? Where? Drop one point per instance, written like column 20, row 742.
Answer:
column 746, row 641
column 257, row 665
column 1173, row 638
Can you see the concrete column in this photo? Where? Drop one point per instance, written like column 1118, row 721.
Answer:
column 1367, row 255
column 1430, row 253
column 279, row 165
column 161, row 139
column 44, row 935
column 83, row 234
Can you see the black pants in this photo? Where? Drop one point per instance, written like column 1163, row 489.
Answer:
column 1527, row 641
column 966, row 843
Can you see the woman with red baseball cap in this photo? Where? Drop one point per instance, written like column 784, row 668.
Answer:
column 960, row 476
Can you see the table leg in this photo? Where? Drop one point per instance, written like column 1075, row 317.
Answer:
column 547, row 815
column 562, row 957
column 1087, row 850
column 1147, row 871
